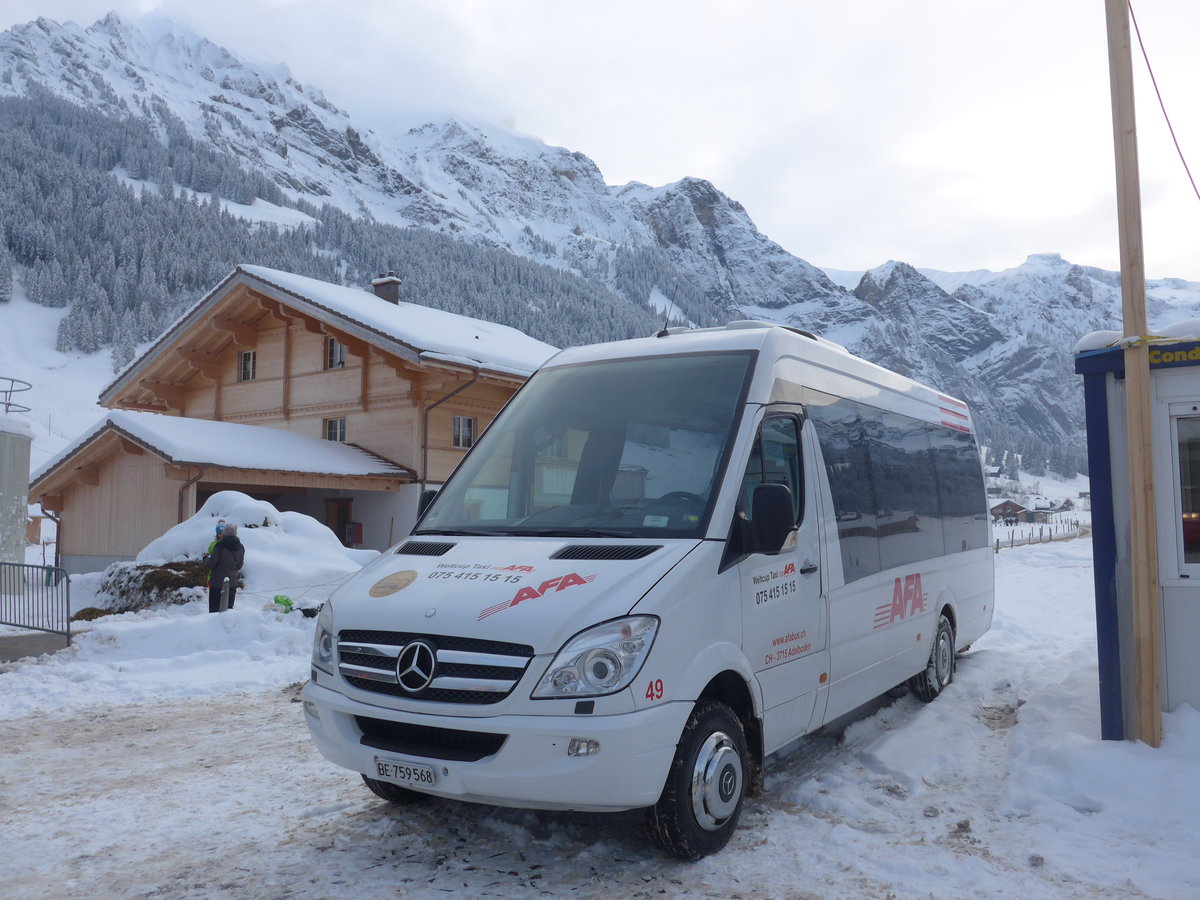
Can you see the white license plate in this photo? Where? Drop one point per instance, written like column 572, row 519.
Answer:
column 404, row 772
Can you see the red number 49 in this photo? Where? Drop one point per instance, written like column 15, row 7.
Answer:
column 654, row 690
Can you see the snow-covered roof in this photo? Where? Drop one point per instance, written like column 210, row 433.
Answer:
column 1000, row 501
column 432, row 332
column 1187, row 330
column 185, row 441
column 408, row 330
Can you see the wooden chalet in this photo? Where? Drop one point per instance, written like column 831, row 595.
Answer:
column 407, row 387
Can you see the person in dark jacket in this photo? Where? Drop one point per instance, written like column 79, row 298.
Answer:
column 224, row 561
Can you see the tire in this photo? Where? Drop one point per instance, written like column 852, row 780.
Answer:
column 393, row 793
column 939, row 671
column 706, row 785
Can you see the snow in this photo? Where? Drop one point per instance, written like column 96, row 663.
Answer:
column 260, row 211
column 59, row 409
column 204, row 441
column 1098, row 340
column 436, row 334
column 1185, row 330
column 11, row 424
column 1000, row 787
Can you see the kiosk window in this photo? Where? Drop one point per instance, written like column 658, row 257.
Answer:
column 1189, row 485
column 775, row 459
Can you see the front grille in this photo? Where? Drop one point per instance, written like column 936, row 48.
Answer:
column 592, row 551
column 467, row 670
column 428, row 742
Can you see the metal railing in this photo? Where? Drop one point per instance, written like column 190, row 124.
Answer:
column 8, row 387
column 35, row 597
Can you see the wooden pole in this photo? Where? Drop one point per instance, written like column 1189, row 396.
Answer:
column 1146, row 720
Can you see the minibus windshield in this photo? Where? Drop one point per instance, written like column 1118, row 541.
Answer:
column 620, row 448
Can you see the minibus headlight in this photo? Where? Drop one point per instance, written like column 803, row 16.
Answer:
column 602, row 660
column 323, row 640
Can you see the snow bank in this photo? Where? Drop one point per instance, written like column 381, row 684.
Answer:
column 175, row 651
column 286, row 552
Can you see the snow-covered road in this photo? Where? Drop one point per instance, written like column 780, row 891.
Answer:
column 998, row 788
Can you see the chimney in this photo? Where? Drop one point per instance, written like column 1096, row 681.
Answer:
column 387, row 286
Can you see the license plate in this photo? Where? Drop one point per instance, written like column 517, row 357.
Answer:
column 404, row 772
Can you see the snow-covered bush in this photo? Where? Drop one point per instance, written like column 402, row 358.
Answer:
column 129, row 586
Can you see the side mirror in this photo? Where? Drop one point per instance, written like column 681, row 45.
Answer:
column 772, row 517
column 423, row 502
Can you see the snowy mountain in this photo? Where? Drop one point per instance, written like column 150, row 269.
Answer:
column 316, row 192
column 461, row 178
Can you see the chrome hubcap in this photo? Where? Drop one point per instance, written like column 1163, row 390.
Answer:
column 945, row 658
column 716, row 781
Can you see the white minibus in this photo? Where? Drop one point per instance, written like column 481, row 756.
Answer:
column 664, row 560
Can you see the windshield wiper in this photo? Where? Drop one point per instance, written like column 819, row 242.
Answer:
column 571, row 532
column 459, row 532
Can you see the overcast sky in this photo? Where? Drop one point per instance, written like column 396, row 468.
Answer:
column 951, row 134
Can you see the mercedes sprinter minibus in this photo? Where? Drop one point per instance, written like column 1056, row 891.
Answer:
column 664, row 560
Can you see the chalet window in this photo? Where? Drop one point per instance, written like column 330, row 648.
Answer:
column 464, row 431
column 247, row 365
column 335, row 354
column 335, row 429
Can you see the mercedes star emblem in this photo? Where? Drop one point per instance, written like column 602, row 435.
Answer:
column 415, row 665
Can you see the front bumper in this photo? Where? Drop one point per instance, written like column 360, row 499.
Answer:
column 532, row 769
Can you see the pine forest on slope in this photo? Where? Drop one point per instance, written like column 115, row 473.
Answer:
column 140, row 163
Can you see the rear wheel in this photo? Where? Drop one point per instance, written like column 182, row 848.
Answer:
column 939, row 671
column 393, row 793
column 706, row 785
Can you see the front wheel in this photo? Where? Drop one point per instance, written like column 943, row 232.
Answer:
column 939, row 671
column 702, row 799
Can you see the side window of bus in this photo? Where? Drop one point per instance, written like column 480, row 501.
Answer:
column 775, row 459
column 842, row 434
column 964, row 497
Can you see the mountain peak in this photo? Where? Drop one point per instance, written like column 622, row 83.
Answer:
column 1046, row 261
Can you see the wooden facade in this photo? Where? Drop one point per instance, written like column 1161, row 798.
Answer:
column 382, row 394
column 257, row 354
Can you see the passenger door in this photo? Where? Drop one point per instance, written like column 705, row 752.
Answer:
column 783, row 608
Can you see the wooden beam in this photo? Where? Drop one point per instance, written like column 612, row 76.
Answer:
column 243, row 335
column 364, row 380
column 273, row 308
column 205, row 363
column 128, row 446
column 313, row 326
column 51, row 502
column 176, row 473
column 354, row 346
column 157, row 406
column 1146, row 720
column 88, row 475
column 170, row 394
column 285, row 399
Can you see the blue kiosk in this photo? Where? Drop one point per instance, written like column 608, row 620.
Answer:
column 1175, row 462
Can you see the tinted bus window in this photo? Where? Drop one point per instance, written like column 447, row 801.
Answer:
column 842, row 436
column 960, row 484
column 903, row 490
column 909, row 520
